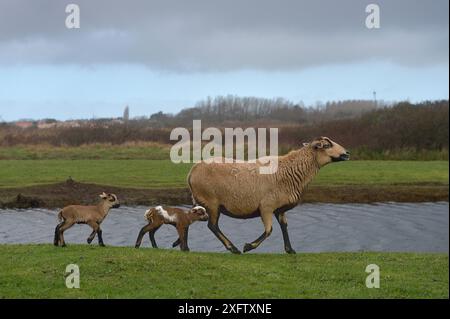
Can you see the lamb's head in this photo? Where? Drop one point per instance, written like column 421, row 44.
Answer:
column 110, row 200
column 328, row 151
column 198, row 213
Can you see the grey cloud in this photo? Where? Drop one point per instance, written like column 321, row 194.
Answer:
column 210, row 35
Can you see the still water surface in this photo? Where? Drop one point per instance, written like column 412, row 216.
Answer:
column 414, row 227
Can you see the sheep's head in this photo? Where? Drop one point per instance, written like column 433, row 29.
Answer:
column 198, row 213
column 328, row 151
column 110, row 200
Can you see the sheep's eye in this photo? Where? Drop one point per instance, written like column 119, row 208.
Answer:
column 327, row 146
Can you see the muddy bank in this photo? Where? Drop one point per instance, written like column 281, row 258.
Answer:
column 71, row 192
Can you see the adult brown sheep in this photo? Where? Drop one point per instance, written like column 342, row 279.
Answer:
column 238, row 189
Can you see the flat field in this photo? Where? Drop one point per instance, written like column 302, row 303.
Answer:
column 38, row 271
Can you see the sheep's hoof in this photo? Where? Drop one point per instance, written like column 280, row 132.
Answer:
column 248, row 247
column 234, row 250
column 102, row 245
column 89, row 241
column 291, row 251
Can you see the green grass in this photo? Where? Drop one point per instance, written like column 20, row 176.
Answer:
column 384, row 173
column 138, row 150
column 38, row 271
column 156, row 151
column 125, row 173
column 364, row 153
column 163, row 173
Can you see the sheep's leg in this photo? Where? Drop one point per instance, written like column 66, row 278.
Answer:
column 143, row 231
column 151, row 235
column 183, row 237
column 62, row 229
column 95, row 229
column 213, row 225
column 283, row 225
column 266, row 217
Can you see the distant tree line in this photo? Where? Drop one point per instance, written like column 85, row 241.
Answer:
column 358, row 125
column 419, row 126
column 235, row 109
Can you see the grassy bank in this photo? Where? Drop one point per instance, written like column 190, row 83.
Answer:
column 163, row 173
column 130, row 150
column 37, row 271
column 158, row 151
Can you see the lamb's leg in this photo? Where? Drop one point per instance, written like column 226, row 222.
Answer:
column 266, row 217
column 62, row 229
column 144, row 230
column 283, row 225
column 176, row 242
column 213, row 225
column 95, row 229
column 151, row 235
column 183, row 237
column 56, row 239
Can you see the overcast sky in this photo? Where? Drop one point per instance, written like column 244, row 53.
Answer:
column 166, row 55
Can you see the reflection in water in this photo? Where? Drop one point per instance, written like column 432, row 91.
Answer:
column 312, row 228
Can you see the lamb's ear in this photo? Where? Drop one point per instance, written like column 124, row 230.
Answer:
column 198, row 210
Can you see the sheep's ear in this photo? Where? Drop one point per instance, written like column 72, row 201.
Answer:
column 317, row 145
column 305, row 144
column 103, row 195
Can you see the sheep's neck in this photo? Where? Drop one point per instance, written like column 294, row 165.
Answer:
column 297, row 170
column 103, row 208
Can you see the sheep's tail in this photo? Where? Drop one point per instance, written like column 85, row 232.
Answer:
column 60, row 216
column 189, row 179
column 194, row 200
column 148, row 215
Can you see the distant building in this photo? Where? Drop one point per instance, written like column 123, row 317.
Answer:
column 46, row 124
column 70, row 123
column 117, row 121
column 24, row 124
